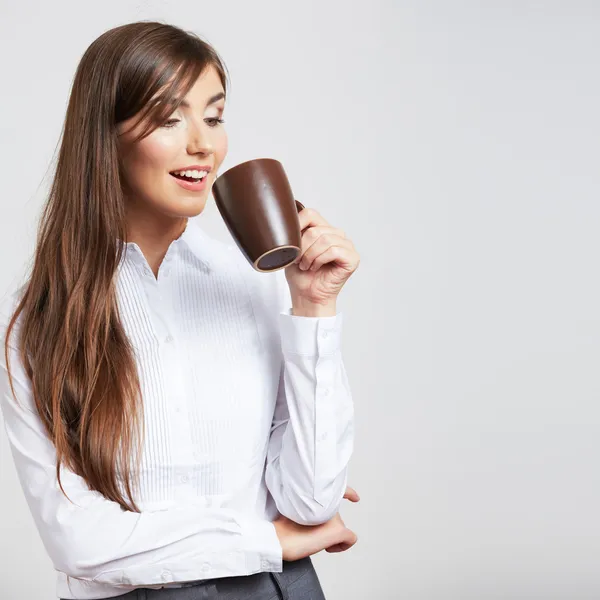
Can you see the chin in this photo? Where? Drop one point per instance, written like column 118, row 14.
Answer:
column 186, row 207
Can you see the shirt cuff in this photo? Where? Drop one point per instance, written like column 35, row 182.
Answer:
column 263, row 537
column 310, row 336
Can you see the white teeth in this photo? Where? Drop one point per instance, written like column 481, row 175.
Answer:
column 195, row 174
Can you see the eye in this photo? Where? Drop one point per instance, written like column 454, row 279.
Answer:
column 215, row 121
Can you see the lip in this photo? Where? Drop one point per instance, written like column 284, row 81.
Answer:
column 190, row 185
column 193, row 168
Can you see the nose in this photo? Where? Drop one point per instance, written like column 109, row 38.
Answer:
column 199, row 140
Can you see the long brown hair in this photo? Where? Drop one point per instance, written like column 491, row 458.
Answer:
column 72, row 343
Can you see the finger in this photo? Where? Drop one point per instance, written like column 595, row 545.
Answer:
column 312, row 234
column 322, row 244
column 340, row 254
column 340, row 547
column 345, row 544
column 337, row 548
column 309, row 217
column 318, row 233
column 351, row 494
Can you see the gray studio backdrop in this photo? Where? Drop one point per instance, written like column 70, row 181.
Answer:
column 457, row 144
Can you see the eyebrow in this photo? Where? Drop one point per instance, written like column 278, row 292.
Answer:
column 212, row 100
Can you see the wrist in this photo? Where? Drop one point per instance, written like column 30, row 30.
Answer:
column 306, row 308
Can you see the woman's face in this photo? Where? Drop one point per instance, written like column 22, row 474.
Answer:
column 193, row 135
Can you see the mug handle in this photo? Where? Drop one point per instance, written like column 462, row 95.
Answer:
column 299, row 205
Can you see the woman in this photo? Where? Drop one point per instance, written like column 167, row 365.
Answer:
column 181, row 425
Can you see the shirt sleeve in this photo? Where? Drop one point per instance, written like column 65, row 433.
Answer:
column 312, row 433
column 93, row 538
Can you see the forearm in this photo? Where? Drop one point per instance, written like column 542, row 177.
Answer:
column 313, row 430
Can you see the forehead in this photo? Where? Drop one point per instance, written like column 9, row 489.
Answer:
column 206, row 86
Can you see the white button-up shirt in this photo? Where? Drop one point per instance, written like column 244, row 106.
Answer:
column 247, row 414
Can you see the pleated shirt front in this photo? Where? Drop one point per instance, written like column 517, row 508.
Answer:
column 247, row 413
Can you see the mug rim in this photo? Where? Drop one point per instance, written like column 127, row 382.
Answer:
column 250, row 160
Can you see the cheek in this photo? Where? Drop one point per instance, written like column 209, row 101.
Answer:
column 158, row 152
column 145, row 167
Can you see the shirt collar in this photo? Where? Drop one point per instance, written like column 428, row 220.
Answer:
column 198, row 242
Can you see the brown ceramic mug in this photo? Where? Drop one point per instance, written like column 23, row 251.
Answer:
column 257, row 204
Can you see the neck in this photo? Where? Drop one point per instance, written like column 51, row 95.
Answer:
column 154, row 236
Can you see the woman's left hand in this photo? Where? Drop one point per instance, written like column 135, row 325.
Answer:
column 326, row 261
column 353, row 496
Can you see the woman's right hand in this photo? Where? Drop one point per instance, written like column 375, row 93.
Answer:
column 298, row 541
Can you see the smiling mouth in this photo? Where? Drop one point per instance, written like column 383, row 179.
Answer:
column 185, row 178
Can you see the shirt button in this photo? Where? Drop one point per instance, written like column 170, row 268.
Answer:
column 264, row 564
column 165, row 575
column 323, row 436
column 184, row 479
column 169, row 339
column 205, row 566
column 327, row 391
column 324, row 334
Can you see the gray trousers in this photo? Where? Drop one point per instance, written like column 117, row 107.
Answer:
column 297, row 581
